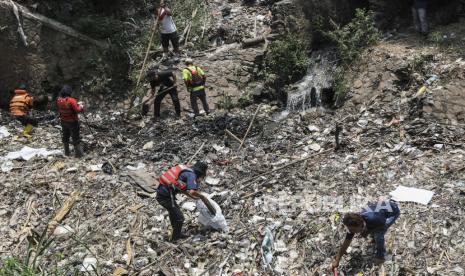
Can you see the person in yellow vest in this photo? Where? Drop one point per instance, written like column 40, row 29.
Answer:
column 20, row 105
column 194, row 78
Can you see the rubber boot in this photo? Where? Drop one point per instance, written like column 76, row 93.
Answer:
column 177, row 232
column 77, row 150
column 66, row 146
column 27, row 130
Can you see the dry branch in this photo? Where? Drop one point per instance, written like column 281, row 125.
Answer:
column 61, row 214
column 52, row 24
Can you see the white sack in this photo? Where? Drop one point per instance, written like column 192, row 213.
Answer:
column 217, row 222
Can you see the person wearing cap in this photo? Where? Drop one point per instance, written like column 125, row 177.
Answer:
column 68, row 108
column 181, row 179
column 20, row 105
column 375, row 219
column 194, row 78
column 167, row 82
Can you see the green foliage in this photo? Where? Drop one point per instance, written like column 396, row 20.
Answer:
column 38, row 244
column 287, row 60
column 440, row 40
column 13, row 266
column 32, row 263
column 341, row 87
column 355, row 36
column 245, row 100
column 226, row 102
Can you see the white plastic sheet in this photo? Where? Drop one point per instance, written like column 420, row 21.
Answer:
column 217, row 222
column 4, row 132
column 28, row 153
column 409, row 194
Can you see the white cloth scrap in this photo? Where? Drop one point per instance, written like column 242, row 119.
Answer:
column 409, row 194
column 4, row 132
column 27, row 153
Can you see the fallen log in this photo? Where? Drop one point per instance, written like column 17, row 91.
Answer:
column 52, row 24
column 256, row 40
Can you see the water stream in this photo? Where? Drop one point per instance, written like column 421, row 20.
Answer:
column 310, row 91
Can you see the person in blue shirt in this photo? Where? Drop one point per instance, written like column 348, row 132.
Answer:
column 375, row 219
column 181, row 179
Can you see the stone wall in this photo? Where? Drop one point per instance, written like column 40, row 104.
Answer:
column 50, row 59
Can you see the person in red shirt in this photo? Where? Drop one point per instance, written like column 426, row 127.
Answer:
column 68, row 108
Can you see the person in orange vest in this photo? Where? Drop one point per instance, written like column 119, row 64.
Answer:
column 68, row 108
column 20, row 105
column 181, row 179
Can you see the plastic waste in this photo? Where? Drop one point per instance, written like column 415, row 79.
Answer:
column 7, row 166
column 267, row 247
column 432, row 79
column 27, row 153
column 4, row 132
column 217, row 221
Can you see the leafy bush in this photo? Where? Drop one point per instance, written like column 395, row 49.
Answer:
column 355, row 36
column 287, row 60
column 226, row 102
column 341, row 87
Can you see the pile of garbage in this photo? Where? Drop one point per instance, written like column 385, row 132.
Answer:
column 282, row 191
column 280, row 183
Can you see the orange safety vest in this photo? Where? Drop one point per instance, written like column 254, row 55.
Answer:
column 171, row 176
column 20, row 104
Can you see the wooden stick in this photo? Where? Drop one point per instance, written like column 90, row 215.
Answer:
column 255, row 25
column 285, row 166
column 193, row 156
column 154, row 30
column 230, row 134
column 158, row 93
column 250, row 126
column 194, row 13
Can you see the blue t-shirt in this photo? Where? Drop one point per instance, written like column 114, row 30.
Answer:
column 187, row 177
column 376, row 217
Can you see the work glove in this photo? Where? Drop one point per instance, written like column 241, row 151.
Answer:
column 334, row 264
column 81, row 105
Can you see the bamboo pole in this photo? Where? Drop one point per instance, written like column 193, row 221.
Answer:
column 250, row 126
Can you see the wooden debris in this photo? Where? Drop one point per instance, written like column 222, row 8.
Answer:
column 129, row 251
column 197, row 152
column 120, row 272
column 250, row 126
column 256, row 40
column 52, row 24
column 230, row 134
column 65, row 209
